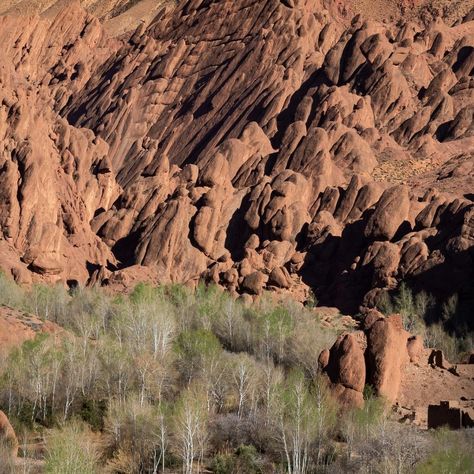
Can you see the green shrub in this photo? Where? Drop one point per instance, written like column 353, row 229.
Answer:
column 223, row 464
column 248, row 460
column 93, row 412
column 143, row 293
column 245, row 460
column 192, row 349
column 177, row 294
column 11, row 294
column 363, row 421
column 311, row 300
column 70, row 450
column 452, row 453
column 451, row 461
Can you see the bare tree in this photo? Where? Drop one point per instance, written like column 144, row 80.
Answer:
column 296, row 418
column 190, row 429
column 244, row 375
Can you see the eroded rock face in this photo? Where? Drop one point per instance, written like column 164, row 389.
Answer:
column 7, row 435
column 16, row 327
column 345, row 366
column 386, row 355
column 397, row 366
column 375, row 356
column 258, row 145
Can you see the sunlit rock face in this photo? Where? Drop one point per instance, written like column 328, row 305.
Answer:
column 257, row 145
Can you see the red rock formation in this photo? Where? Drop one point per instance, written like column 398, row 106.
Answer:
column 17, row 327
column 375, row 356
column 397, row 366
column 345, row 366
column 259, row 145
column 7, row 435
column 386, row 355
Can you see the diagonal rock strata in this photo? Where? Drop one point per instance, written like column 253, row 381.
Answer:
column 258, row 145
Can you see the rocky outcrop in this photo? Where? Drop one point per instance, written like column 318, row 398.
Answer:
column 397, row 366
column 256, row 145
column 345, row 366
column 375, row 356
column 16, row 327
column 387, row 349
column 8, row 439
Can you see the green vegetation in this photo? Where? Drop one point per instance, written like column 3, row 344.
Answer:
column 451, row 454
column 71, row 451
column 172, row 380
column 442, row 324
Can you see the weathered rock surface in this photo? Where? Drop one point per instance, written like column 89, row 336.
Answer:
column 346, row 367
column 259, row 145
column 8, row 437
column 396, row 365
column 17, row 327
column 386, row 355
column 375, row 356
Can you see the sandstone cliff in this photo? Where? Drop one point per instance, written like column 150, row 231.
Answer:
column 258, row 145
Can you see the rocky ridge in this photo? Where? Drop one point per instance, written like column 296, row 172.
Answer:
column 397, row 366
column 257, row 145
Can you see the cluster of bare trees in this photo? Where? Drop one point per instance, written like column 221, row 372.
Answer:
column 169, row 380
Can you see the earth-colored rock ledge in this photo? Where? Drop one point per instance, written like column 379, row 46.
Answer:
column 256, row 145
